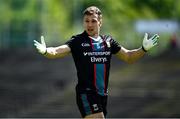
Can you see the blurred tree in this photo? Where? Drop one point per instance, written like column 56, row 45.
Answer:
column 5, row 20
column 25, row 20
column 19, row 16
column 55, row 20
column 162, row 8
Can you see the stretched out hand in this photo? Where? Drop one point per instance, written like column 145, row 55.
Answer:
column 41, row 47
column 151, row 42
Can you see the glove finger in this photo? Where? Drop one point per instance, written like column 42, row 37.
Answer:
column 42, row 41
column 36, row 42
column 155, row 42
column 145, row 36
column 37, row 46
column 155, row 37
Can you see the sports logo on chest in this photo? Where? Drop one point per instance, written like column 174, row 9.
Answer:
column 95, row 51
column 85, row 45
column 98, row 46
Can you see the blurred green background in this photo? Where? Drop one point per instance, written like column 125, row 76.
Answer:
column 33, row 86
column 22, row 21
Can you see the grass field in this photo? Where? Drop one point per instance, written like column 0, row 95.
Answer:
column 33, row 86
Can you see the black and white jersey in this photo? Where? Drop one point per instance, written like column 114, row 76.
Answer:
column 92, row 60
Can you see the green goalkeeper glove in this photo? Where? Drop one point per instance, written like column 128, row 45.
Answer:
column 41, row 47
column 149, row 43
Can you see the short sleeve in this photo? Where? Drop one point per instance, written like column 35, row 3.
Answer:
column 70, row 42
column 115, row 46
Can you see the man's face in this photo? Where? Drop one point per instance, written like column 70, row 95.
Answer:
column 92, row 24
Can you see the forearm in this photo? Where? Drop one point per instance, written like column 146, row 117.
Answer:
column 130, row 56
column 50, row 52
column 136, row 54
column 57, row 52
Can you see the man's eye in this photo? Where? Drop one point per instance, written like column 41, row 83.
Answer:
column 93, row 21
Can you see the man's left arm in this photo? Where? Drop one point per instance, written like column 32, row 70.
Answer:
column 130, row 56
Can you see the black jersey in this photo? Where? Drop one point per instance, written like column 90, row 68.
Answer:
column 92, row 60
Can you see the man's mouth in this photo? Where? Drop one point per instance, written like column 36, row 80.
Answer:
column 90, row 30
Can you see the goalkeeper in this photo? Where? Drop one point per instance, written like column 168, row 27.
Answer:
column 92, row 53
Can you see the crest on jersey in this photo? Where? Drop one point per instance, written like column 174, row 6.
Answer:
column 108, row 42
column 95, row 107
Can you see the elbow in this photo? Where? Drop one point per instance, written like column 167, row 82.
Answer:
column 50, row 57
column 51, row 53
column 54, row 56
column 130, row 61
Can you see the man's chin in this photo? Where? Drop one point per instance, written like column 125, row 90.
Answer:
column 90, row 33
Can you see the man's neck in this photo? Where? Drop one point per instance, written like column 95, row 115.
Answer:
column 94, row 36
column 97, row 38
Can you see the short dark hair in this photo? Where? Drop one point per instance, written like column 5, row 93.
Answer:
column 93, row 10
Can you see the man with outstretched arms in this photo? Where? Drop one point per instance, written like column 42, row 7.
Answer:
column 92, row 56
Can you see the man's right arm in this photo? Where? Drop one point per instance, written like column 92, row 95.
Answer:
column 52, row 52
column 57, row 52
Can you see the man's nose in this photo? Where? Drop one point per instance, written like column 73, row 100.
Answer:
column 89, row 24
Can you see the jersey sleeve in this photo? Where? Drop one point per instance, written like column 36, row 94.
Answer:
column 70, row 42
column 115, row 46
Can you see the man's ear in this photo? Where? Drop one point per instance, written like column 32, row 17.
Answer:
column 100, row 22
